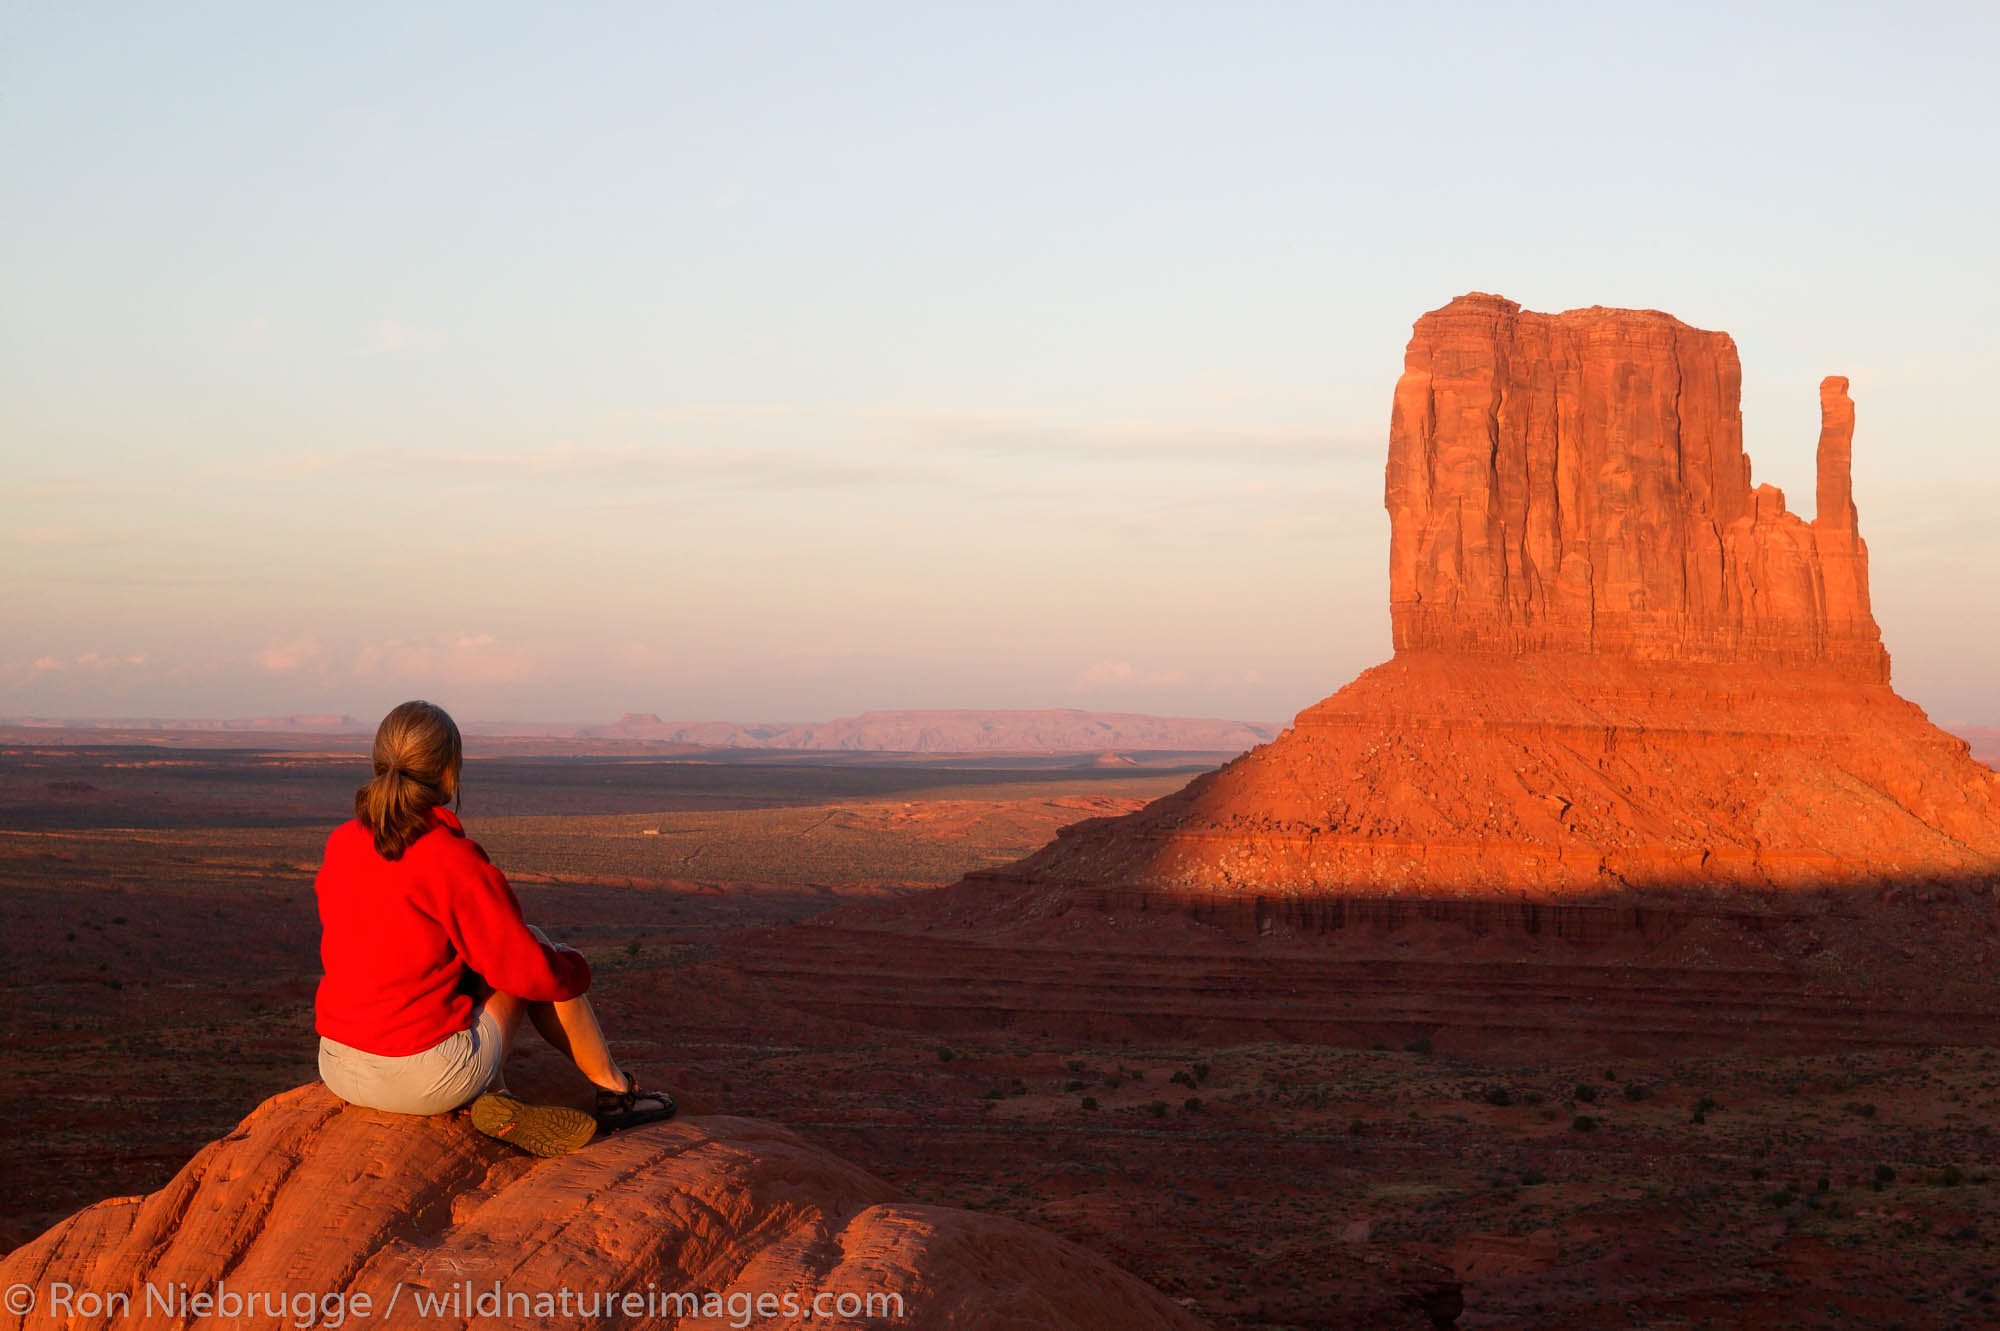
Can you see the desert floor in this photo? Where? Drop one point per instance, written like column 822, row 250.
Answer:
column 157, row 963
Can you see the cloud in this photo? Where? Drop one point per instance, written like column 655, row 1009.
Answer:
column 454, row 660
column 93, row 663
column 394, row 339
column 760, row 468
column 1111, row 674
column 987, row 433
column 775, row 447
column 297, row 654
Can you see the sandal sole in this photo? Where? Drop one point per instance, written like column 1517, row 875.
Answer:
column 544, row 1130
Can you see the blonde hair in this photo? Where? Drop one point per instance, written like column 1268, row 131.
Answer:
column 416, row 757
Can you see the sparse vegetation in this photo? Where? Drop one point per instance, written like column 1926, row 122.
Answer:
column 1437, row 1168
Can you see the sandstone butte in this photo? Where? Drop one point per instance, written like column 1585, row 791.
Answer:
column 311, row 1196
column 1619, row 663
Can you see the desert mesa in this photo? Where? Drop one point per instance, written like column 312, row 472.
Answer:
column 1634, row 777
column 1619, row 663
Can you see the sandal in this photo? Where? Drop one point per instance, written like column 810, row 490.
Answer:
column 617, row 1110
column 542, row 1130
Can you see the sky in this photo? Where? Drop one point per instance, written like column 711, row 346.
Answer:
column 777, row 362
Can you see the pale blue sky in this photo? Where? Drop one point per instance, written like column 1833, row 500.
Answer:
column 784, row 361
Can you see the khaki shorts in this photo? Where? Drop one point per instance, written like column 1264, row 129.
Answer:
column 455, row 1071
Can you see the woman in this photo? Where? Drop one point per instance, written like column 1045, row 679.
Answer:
column 430, row 968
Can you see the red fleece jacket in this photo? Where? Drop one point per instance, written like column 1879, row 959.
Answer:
column 397, row 936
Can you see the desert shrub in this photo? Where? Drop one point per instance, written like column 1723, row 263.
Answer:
column 1950, row 1177
column 1072, row 1087
column 1757, row 1172
column 1583, row 1123
column 1532, row 1098
column 994, row 1093
column 1356, row 1128
column 1157, row 1108
column 1201, row 1072
column 1379, row 1045
column 1077, row 1065
column 945, row 1055
column 1183, row 1079
column 1420, row 1045
column 1530, row 1177
column 1586, row 1092
column 1779, row 1197
column 1191, row 1105
column 1860, row 1109
column 1822, row 1184
column 1634, row 1091
column 1499, row 1095
column 1089, row 1102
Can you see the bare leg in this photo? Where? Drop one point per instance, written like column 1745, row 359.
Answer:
column 509, row 1010
column 571, row 1026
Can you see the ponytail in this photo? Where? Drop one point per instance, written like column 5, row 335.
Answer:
column 416, row 759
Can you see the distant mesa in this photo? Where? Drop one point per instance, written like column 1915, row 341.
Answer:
column 1056, row 730
column 322, row 723
column 1619, row 663
column 311, row 1196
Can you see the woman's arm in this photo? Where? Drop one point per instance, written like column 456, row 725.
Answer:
column 483, row 919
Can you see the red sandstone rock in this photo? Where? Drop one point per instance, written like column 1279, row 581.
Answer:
column 1577, row 482
column 1634, row 780
column 1619, row 665
column 311, row 1197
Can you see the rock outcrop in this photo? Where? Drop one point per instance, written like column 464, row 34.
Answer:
column 1619, row 664
column 1634, row 779
column 1577, row 482
column 310, row 1198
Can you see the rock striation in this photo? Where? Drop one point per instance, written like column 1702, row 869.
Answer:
column 1577, row 483
column 309, row 1197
